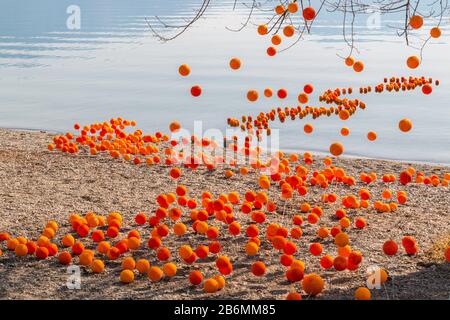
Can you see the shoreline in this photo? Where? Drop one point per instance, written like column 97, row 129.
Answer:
column 287, row 151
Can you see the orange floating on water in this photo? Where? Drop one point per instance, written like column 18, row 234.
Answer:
column 252, row 95
column 184, row 70
column 336, row 149
column 196, row 91
column 405, row 125
column 235, row 63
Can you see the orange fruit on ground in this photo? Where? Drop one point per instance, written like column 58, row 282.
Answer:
column 42, row 253
column 362, row 293
column 86, row 258
column 447, row 254
column 97, row 266
column 126, row 276
column 65, row 258
column 211, row 286
column 294, row 273
column 312, row 284
column 326, row 262
column 294, row 296
column 220, row 280
column 251, row 248
column 21, row 250
column 413, row 62
column 405, row 125
column 143, row 266
column 195, row 277
column 68, row 240
column 128, row 263
column 341, row 239
column 258, row 268
column 170, row 269
column 184, row 70
column 11, row 244
column 390, row 247
column 155, row 274
column 340, row 263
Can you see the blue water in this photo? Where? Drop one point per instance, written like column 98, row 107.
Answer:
column 51, row 76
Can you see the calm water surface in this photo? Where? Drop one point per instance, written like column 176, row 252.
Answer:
column 51, row 77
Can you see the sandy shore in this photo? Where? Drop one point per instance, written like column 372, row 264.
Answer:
column 37, row 185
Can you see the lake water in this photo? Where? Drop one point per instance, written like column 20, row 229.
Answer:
column 52, row 77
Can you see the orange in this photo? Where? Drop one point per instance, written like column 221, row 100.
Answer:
column 143, row 265
column 21, row 250
column 405, row 125
column 313, row 284
column 362, row 293
column 252, row 95
column 42, row 253
column 413, row 62
column 251, row 248
column 294, row 296
column 65, row 258
column 341, row 239
column 416, row 22
column 235, row 63
column 435, row 32
column 220, row 280
column 262, row 29
column 170, row 269
column 258, row 268
column 309, row 13
column 358, row 66
column 126, row 276
column 86, row 258
column 336, row 149
column 372, row 136
column 294, row 273
column 184, row 70
column 155, row 274
column 97, row 266
column 292, row 7
column 195, row 277
column 349, row 61
column 390, row 247
column 128, row 263
column 211, row 286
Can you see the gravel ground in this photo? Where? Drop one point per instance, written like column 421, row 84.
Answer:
column 37, row 185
